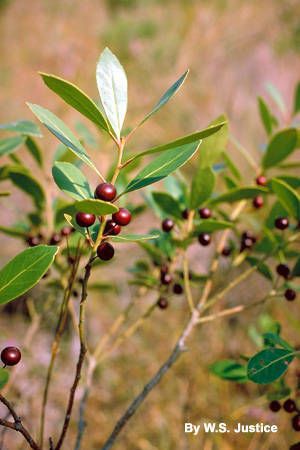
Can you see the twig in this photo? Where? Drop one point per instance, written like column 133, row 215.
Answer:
column 17, row 424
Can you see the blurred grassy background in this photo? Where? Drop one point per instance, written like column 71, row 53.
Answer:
column 233, row 48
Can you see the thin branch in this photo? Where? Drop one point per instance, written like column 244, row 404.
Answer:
column 17, row 424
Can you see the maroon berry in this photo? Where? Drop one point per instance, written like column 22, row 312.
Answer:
column 296, row 422
column 275, row 406
column 204, row 213
column 85, row 219
column 66, row 231
column 75, row 293
column 112, row 228
column 248, row 235
column 164, row 269
column 162, row 303
column 167, row 225
column 122, row 217
column 289, row 405
column 258, row 202
column 226, row 251
column 177, row 289
column 10, row 356
column 204, row 239
column 283, row 270
column 281, row 223
column 185, row 214
column 105, row 251
column 166, row 278
column 55, row 239
column 106, row 192
column 33, row 241
column 290, row 294
column 261, row 180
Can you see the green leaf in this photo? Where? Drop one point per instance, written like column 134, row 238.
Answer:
column 189, row 139
column 230, row 370
column 203, row 184
column 28, row 184
column 210, row 225
column 280, row 147
column 71, row 180
column 9, row 145
column 25, row 127
column 262, row 267
column 34, row 150
column 97, row 207
column 215, row 145
column 167, row 96
column 287, row 196
column 14, row 232
column 239, row 194
column 293, row 181
column 268, row 365
column 297, row 99
column 4, row 377
column 296, row 269
column 62, row 132
column 272, row 339
column 231, row 166
column 267, row 118
column 167, row 204
column 162, row 166
column 76, row 98
column 112, row 86
column 24, row 271
column 276, row 96
column 123, row 239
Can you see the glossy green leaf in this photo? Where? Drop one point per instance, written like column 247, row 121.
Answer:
column 11, row 144
column 167, row 96
column 213, row 147
column 112, row 86
column 28, row 184
column 35, row 151
column 268, row 365
column 167, row 204
column 280, row 147
column 273, row 339
column 24, row 271
column 230, row 370
column 71, row 180
column 122, row 239
column 203, row 184
column 62, row 132
column 97, row 207
column 25, row 127
column 210, row 225
column 4, row 377
column 267, row 118
column 76, row 98
column 297, row 99
column 287, row 196
column 239, row 194
column 291, row 180
column 163, row 165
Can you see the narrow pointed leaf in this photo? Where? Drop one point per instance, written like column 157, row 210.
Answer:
column 14, row 232
column 11, row 144
column 297, row 99
column 62, row 132
column 167, row 96
column 123, row 239
column 28, row 184
column 24, row 271
column 35, row 151
column 97, row 207
column 213, row 147
column 210, row 225
column 239, row 194
column 25, row 127
column 280, row 147
column 268, row 365
column 167, row 204
column 287, row 196
column 163, row 165
column 203, row 184
column 76, row 98
column 112, row 86
column 267, row 118
column 71, row 180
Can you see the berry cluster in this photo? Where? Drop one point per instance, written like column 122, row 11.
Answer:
column 34, row 240
column 290, row 407
column 166, row 281
column 10, row 356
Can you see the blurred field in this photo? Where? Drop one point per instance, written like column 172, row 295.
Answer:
column 233, row 48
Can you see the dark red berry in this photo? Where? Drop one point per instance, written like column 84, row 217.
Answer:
column 166, row 278
column 289, row 405
column 167, row 225
column 164, row 269
column 112, row 228
column 283, row 270
column 122, row 217
column 204, row 213
column 66, row 231
column 295, row 446
column 258, row 202
column 226, row 251
column 185, row 214
column 55, row 239
column 275, row 406
column 75, row 293
column 281, row 223
column 204, row 239
column 106, row 192
column 248, row 235
column 177, row 289
column 105, row 251
column 290, row 294
column 261, row 180
column 10, row 356
column 85, row 219
column 296, row 422
column 33, row 241
column 162, row 303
